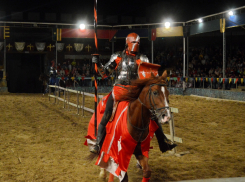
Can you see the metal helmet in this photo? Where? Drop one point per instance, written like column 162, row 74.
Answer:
column 133, row 42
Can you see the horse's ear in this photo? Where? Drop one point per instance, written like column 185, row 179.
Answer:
column 165, row 74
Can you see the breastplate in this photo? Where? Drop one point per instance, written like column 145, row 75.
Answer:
column 127, row 69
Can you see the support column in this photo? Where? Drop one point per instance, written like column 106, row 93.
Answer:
column 112, row 46
column 224, row 53
column 56, row 56
column 183, row 53
column 187, row 50
column 152, row 52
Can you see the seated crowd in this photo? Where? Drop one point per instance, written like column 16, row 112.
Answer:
column 208, row 63
column 81, row 74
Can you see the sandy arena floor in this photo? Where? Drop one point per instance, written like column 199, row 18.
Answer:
column 41, row 141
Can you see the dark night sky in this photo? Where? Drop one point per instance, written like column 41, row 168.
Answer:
column 154, row 10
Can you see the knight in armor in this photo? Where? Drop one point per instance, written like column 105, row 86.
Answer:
column 125, row 63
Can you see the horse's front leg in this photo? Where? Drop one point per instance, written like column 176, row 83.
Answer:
column 143, row 160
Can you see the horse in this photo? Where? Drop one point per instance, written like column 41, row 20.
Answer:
column 146, row 98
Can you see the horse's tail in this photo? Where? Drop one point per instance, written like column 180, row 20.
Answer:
column 91, row 157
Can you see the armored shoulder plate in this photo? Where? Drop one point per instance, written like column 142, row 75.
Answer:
column 144, row 58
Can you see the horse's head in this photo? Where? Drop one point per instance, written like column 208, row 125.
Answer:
column 155, row 97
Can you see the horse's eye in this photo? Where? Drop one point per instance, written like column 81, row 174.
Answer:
column 155, row 93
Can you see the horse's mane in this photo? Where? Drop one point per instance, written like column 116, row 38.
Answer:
column 136, row 87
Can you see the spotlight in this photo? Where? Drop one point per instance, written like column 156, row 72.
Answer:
column 167, row 24
column 231, row 13
column 200, row 20
column 82, row 26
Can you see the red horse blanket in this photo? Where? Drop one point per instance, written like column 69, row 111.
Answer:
column 119, row 145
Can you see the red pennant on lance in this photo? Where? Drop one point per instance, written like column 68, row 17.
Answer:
column 145, row 69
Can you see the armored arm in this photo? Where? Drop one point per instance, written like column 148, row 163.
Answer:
column 109, row 67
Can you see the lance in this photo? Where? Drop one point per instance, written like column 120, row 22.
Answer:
column 95, row 68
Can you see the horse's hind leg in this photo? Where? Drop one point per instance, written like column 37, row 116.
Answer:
column 143, row 160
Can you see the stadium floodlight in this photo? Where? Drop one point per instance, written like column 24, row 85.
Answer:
column 82, row 26
column 231, row 13
column 167, row 24
column 200, row 20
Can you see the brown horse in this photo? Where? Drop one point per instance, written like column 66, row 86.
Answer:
column 148, row 98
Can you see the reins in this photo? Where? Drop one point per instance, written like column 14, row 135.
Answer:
column 153, row 110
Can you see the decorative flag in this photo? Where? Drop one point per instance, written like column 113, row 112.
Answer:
column 92, row 78
column 83, row 77
column 20, row 46
column 186, row 79
column 168, row 78
column 99, row 78
column 241, row 80
column 212, row 80
column 236, row 80
column 223, row 80
column 60, row 46
column 112, row 78
column 40, row 46
column 230, row 80
column 206, row 79
column 201, row 79
column 178, row 79
column 78, row 47
column 175, row 79
column 73, row 78
column 196, row 79
column 217, row 79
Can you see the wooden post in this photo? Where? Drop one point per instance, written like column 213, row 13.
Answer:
column 77, row 102
column 49, row 91
column 55, row 94
column 68, row 99
column 172, row 133
column 65, row 97
column 83, row 102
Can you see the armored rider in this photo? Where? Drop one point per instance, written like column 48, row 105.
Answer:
column 127, row 69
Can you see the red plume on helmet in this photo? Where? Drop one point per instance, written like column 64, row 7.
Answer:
column 133, row 42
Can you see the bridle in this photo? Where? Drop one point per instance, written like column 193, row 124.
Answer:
column 153, row 109
column 153, row 106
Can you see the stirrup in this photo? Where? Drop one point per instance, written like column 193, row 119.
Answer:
column 95, row 149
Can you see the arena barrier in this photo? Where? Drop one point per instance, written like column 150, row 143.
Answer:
column 67, row 104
